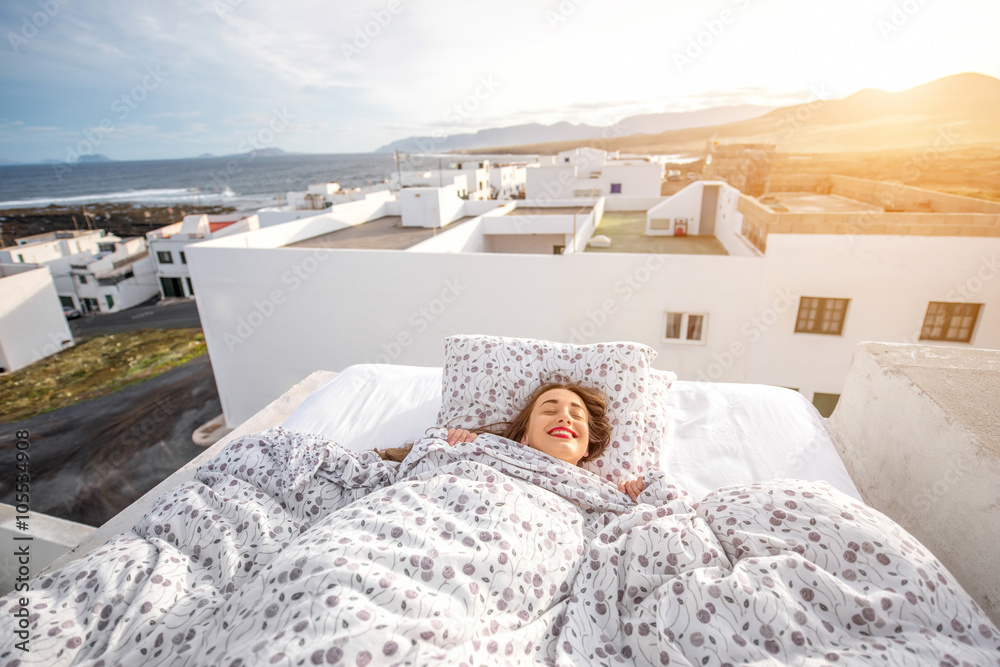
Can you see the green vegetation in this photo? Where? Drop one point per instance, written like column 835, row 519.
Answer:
column 95, row 367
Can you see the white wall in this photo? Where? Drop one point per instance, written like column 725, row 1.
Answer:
column 267, row 326
column 684, row 204
column 626, row 203
column 32, row 325
column 916, row 427
column 429, row 207
column 534, row 244
column 278, row 314
column 467, row 237
column 889, row 280
column 542, row 182
column 729, row 224
column 644, row 179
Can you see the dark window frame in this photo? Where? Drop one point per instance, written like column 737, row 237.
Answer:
column 164, row 257
column 815, row 323
column 942, row 315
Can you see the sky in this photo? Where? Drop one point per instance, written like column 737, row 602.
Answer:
column 154, row 80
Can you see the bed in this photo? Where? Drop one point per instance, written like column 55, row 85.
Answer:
column 299, row 545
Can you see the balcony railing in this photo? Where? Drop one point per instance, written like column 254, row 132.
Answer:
column 114, row 280
column 131, row 258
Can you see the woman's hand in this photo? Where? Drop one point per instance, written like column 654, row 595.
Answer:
column 632, row 488
column 457, row 435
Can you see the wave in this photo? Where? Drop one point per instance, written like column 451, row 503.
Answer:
column 161, row 196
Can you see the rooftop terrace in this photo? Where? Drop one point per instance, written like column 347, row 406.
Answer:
column 808, row 202
column 385, row 233
column 627, row 231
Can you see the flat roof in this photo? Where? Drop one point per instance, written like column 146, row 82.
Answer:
column 810, row 202
column 385, row 233
column 549, row 210
column 627, row 231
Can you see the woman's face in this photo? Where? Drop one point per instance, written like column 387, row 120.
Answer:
column 558, row 426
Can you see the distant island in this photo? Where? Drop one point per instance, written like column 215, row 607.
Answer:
column 97, row 157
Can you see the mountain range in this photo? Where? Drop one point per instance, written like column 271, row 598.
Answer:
column 957, row 110
column 565, row 131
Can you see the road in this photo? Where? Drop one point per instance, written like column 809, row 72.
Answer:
column 91, row 460
column 176, row 315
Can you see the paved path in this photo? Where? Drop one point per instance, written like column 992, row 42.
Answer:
column 91, row 460
column 176, row 315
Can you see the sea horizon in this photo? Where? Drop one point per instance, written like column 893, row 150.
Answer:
column 245, row 182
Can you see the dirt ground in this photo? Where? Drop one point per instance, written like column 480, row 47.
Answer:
column 91, row 460
column 124, row 219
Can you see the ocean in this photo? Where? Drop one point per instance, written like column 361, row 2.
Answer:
column 243, row 182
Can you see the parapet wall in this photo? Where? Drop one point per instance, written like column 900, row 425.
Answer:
column 917, row 428
column 905, row 198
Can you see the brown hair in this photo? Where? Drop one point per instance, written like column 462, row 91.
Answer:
column 597, row 422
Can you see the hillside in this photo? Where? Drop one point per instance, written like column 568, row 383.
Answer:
column 563, row 131
column 959, row 110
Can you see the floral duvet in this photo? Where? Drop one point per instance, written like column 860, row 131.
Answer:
column 289, row 550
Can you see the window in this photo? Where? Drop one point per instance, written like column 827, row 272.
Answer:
column 111, row 301
column 106, row 247
column 190, row 287
column 952, row 322
column 66, row 301
column 164, row 257
column 822, row 316
column 616, row 188
column 680, row 327
column 184, row 259
column 82, row 279
column 20, row 258
column 558, row 249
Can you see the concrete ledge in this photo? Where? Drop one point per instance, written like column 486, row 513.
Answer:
column 51, row 537
column 918, row 428
column 275, row 413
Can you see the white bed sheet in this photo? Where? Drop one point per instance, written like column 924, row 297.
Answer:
column 720, row 434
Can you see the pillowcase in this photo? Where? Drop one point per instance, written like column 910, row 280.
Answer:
column 368, row 406
column 488, row 379
column 658, row 420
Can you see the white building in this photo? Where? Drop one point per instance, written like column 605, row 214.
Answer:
column 92, row 271
column 107, row 282
column 507, row 181
column 477, row 179
column 760, row 299
column 320, row 196
column 167, row 244
column 591, row 173
column 32, row 325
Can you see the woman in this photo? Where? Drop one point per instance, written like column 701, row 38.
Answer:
column 565, row 420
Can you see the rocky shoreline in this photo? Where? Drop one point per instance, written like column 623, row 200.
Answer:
column 124, row 219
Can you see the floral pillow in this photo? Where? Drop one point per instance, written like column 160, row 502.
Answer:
column 657, row 420
column 488, row 379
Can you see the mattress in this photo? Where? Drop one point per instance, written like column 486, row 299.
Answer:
column 719, row 434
